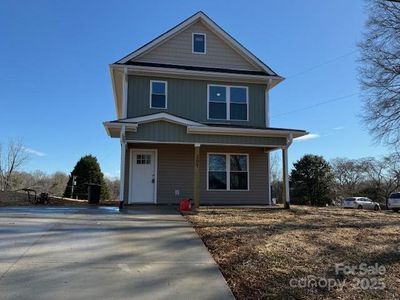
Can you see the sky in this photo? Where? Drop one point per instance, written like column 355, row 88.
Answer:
column 55, row 86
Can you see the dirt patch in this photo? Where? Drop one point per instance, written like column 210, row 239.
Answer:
column 272, row 253
column 21, row 199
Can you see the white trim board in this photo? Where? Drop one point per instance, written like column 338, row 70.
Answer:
column 162, row 116
column 201, row 75
column 242, row 131
column 270, row 147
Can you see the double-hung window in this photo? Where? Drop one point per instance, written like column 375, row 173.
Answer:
column 158, row 94
column 227, row 102
column 228, row 171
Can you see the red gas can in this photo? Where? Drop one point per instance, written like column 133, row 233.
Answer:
column 185, row 205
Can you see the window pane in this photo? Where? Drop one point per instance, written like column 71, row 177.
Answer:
column 217, row 110
column 238, row 111
column 199, row 43
column 238, row 180
column 158, row 101
column 238, row 95
column 217, row 162
column 218, row 93
column 238, row 163
column 147, row 159
column 217, row 180
column 158, row 88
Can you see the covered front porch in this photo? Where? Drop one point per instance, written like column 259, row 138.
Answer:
column 166, row 158
column 208, row 174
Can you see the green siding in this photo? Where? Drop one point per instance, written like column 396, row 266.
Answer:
column 162, row 131
column 188, row 99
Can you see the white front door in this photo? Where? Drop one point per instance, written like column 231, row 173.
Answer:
column 142, row 184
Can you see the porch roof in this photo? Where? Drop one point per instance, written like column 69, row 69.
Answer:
column 147, row 128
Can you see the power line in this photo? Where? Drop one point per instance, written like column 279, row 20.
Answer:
column 315, row 105
column 321, row 64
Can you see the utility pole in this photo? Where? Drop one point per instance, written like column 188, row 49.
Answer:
column 73, row 185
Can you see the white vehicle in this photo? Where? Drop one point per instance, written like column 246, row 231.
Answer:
column 394, row 201
column 360, row 203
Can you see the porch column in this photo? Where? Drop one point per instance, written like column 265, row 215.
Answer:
column 196, row 182
column 286, row 196
column 285, row 171
column 122, row 169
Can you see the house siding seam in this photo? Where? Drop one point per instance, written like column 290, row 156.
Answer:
column 176, row 167
column 178, row 50
column 188, row 99
column 166, row 132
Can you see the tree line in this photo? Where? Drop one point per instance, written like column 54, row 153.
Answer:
column 315, row 181
column 87, row 170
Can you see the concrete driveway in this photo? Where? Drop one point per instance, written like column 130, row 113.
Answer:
column 99, row 253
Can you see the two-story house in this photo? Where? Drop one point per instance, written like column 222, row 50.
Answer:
column 193, row 119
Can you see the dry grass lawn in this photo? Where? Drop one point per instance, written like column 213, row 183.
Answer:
column 260, row 250
column 21, row 199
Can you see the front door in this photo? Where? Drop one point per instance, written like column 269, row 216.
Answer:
column 142, row 176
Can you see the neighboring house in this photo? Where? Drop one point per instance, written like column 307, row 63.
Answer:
column 193, row 119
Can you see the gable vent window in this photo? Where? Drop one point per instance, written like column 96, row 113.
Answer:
column 199, row 43
column 227, row 102
column 158, row 94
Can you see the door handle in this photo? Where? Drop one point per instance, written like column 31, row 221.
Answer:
column 152, row 181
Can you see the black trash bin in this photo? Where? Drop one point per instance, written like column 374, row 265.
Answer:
column 93, row 193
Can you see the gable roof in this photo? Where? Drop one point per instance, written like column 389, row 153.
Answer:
column 217, row 31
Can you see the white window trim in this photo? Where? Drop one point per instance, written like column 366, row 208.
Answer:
column 166, row 93
column 205, row 43
column 228, row 102
column 228, row 171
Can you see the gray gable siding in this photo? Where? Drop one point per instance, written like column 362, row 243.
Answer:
column 166, row 132
column 188, row 99
column 178, row 50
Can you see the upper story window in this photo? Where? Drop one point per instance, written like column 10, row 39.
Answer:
column 227, row 102
column 199, row 43
column 158, row 94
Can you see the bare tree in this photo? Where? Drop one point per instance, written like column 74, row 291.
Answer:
column 384, row 176
column 53, row 184
column 59, row 181
column 348, row 176
column 10, row 162
column 113, row 187
column 380, row 71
